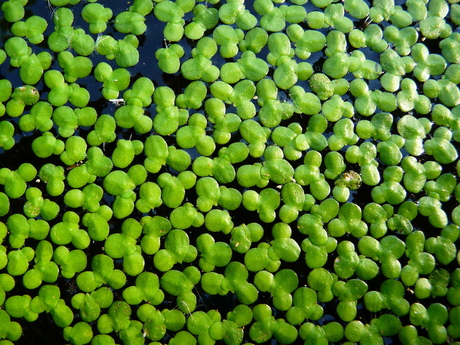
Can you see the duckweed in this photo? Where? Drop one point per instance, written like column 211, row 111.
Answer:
column 230, row 172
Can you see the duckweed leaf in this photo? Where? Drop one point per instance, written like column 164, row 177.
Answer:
column 14, row 10
column 130, row 22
